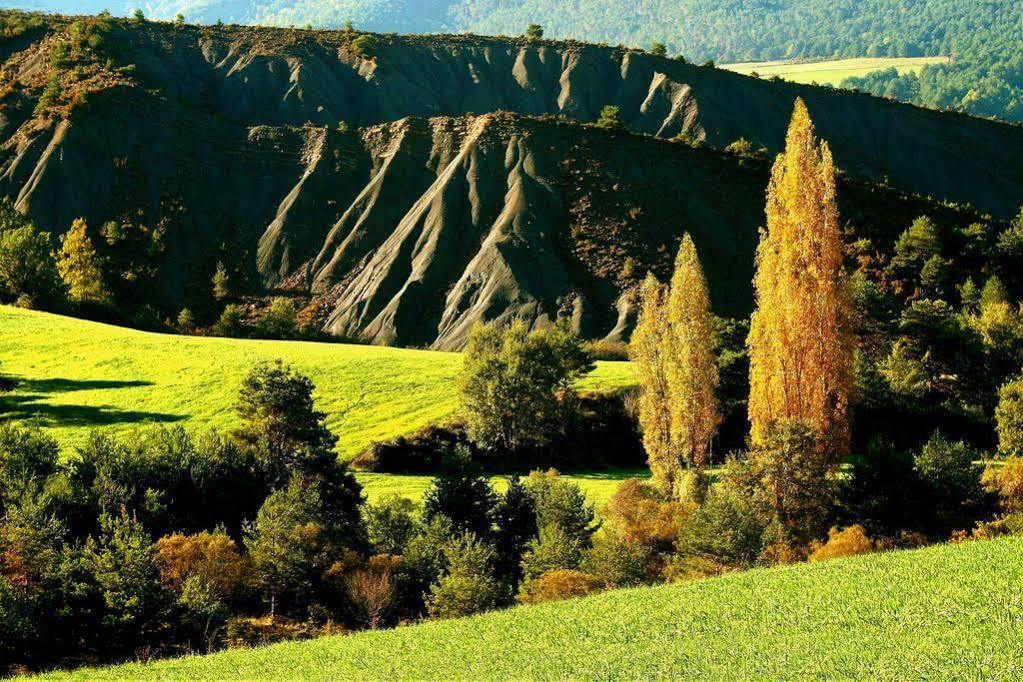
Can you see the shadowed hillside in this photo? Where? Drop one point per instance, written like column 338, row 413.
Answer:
column 226, row 141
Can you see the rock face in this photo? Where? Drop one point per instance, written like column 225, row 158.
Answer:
column 419, row 218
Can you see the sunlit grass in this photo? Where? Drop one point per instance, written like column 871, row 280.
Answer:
column 77, row 375
column 832, row 72
column 952, row 612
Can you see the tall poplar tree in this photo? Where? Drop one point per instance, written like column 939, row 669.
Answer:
column 800, row 343
column 674, row 351
column 648, row 350
column 692, row 372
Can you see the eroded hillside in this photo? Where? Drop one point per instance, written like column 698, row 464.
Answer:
column 407, row 229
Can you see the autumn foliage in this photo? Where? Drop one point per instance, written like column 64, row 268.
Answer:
column 674, row 353
column 801, row 344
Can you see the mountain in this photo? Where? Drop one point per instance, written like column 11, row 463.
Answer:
column 364, row 174
column 984, row 75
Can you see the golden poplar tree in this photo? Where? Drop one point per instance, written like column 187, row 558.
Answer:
column 78, row 265
column 692, row 371
column 647, row 349
column 800, row 343
column 673, row 350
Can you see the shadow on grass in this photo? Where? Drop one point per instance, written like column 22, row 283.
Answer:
column 28, row 402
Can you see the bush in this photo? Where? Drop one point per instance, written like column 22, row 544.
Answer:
column 617, row 562
column 882, row 491
column 610, row 118
column 562, row 584
column 726, row 532
column 1005, row 479
column 391, row 523
column 659, row 49
column 951, row 479
column 642, row 515
column 534, row 32
column 230, row 323
column 841, row 543
column 467, row 586
column 365, row 45
column 1009, row 417
column 27, row 267
column 516, row 386
column 551, row 550
column 28, row 458
column 211, row 558
column 372, row 589
column 280, row 321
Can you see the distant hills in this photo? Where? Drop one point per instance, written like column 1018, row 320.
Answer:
column 982, row 36
column 365, row 173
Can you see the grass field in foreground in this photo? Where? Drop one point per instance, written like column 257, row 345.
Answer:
column 831, row 72
column 77, row 375
column 950, row 612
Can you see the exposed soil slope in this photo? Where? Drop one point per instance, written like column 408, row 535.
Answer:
column 408, row 230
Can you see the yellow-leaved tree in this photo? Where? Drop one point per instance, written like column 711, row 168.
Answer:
column 78, row 265
column 692, row 373
column 673, row 349
column 801, row 343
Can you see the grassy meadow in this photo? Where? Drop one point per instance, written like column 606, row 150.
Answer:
column 831, row 72
column 76, row 375
column 949, row 612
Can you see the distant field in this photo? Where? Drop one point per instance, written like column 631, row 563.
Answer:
column 831, row 72
column 77, row 375
column 951, row 612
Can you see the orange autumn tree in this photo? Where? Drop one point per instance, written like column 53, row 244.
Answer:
column 801, row 344
column 674, row 352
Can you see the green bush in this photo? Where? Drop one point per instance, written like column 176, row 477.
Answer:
column 616, row 561
column 727, row 531
column 467, row 585
column 391, row 523
column 1009, row 417
column 610, row 118
column 553, row 549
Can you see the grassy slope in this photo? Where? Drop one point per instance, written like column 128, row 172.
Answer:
column 79, row 375
column 948, row 612
column 831, row 72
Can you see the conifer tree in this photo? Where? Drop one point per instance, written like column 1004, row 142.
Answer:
column 692, row 373
column 800, row 343
column 78, row 265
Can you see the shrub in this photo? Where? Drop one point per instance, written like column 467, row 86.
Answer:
column 642, row 515
column 221, row 283
column 881, row 490
column 372, row 588
column 562, row 504
column 534, row 32
column 659, row 49
column 186, row 320
column 211, row 558
column 280, row 321
column 516, row 386
column 365, row 45
column 230, row 323
column 1005, row 479
column 79, row 265
column 610, row 118
column 1009, row 417
column 515, row 521
column 551, row 550
column 950, row 478
column 27, row 267
column 467, row 586
column 391, row 523
column 616, row 561
column 841, row 543
column 561, row 584
column 28, row 457
column 727, row 531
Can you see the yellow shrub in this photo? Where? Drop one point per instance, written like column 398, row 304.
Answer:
column 846, row 542
column 1006, row 479
column 562, row 584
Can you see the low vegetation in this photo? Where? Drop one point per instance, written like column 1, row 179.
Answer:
column 943, row 613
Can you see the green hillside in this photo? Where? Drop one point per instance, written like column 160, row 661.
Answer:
column 949, row 612
column 76, row 375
